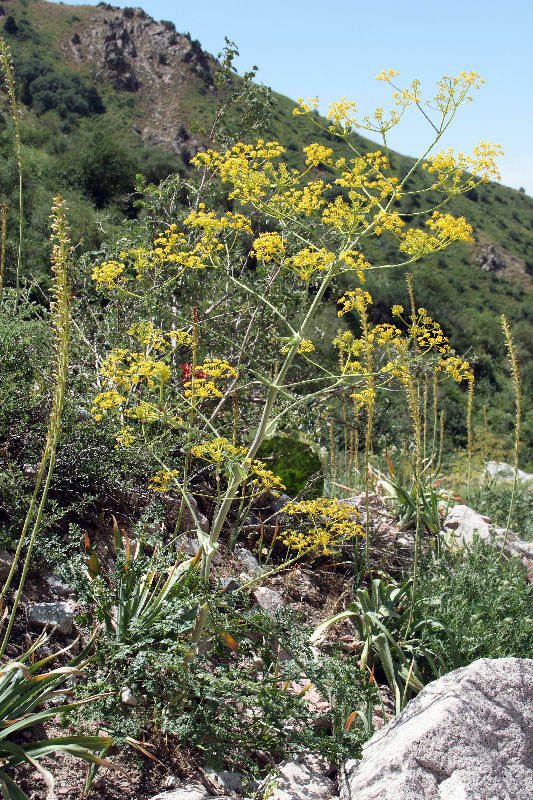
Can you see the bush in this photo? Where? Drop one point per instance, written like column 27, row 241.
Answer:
column 483, row 600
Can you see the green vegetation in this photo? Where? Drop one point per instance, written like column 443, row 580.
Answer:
column 225, row 321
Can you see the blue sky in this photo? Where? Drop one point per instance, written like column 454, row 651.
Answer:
column 329, row 50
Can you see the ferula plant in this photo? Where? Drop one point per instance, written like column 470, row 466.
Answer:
column 226, row 353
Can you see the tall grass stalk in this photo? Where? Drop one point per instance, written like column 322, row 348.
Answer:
column 470, row 430
column 3, row 226
column 60, row 310
column 9, row 78
column 515, row 375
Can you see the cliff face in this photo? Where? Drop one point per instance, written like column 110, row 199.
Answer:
column 131, row 52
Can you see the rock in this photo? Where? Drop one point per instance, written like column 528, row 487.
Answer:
column 466, row 736
column 505, row 472
column 230, row 781
column 127, row 697
column 229, row 585
column 488, row 259
column 248, row 560
column 52, row 615
column 278, row 503
column 268, row 599
column 297, row 782
column 463, row 523
column 191, row 792
column 56, row 584
column 6, row 562
column 191, row 546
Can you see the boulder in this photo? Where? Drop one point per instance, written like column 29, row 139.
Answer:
column 505, row 472
column 248, row 560
column 297, row 782
column 6, row 562
column 466, row 736
column 268, row 599
column 52, row 615
column 463, row 524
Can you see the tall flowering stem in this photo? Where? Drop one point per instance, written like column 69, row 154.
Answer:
column 60, row 311
column 515, row 374
column 9, row 79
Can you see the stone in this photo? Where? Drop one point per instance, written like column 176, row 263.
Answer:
column 190, row 547
column 6, row 562
column 52, row 615
column 190, row 792
column 466, row 736
column 500, row 470
column 297, row 782
column 127, row 697
column 56, row 584
column 248, row 560
column 463, row 523
column 230, row 781
column 268, row 599
column 229, row 585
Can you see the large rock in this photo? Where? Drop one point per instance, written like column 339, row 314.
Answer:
column 297, row 782
column 51, row 615
column 463, row 524
column 466, row 736
column 505, row 472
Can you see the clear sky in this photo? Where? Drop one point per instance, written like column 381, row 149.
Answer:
column 335, row 49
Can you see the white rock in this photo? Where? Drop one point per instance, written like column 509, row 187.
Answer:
column 247, row 559
column 466, row 736
column 297, row 782
column 54, row 615
column 127, row 697
column 505, row 472
column 230, row 781
column 268, row 599
column 193, row 792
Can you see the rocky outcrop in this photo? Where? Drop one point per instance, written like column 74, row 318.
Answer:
column 133, row 53
column 500, row 470
column 466, row 736
column 463, row 524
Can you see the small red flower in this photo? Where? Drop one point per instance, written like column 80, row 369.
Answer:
column 186, row 373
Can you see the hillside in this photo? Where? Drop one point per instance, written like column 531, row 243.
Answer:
column 107, row 93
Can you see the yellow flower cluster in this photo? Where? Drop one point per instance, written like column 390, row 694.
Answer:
column 268, row 246
column 450, row 169
column 126, row 369
column 147, row 412
column 109, row 274
column 317, row 154
column 106, row 400
column 326, row 523
column 388, row 222
column 161, row 480
column 428, row 333
column 305, row 346
column 310, row 260
column 355, row 261
column 357, row 300
column 305, row 106
column 208, row 221
column 456, row 368
column 446, row 229
column 219, row 451
column 365, row 397
column 147, row 334
column 125, row 437
column 300, row 201
column 244, row 166
column 218, row 368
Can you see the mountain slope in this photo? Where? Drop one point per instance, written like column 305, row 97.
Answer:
column 107, row 93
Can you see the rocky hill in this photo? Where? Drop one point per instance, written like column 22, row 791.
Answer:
column 107, row 93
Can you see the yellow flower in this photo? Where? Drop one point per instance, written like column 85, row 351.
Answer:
column 357, row 300
column 268, row 246
column 109, row 274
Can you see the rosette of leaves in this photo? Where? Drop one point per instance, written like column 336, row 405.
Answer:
column 24, row 694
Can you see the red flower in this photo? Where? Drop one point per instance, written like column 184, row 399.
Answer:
column 186, row 373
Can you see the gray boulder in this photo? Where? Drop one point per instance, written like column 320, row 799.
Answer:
column 6, row 562
column 500, row 470
column 52, row 615
column 463, row 524
column 297, row 782
column 466, row 736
